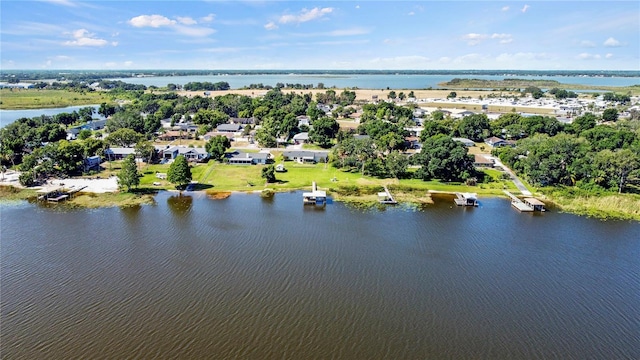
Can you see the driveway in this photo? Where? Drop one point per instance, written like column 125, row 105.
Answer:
column 523, row 189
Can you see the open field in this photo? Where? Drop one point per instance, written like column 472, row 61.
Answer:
column 16, row 99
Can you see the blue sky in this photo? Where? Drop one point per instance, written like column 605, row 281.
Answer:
column 564, row 35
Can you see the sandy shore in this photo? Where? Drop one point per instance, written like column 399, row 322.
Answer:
column 90, row 185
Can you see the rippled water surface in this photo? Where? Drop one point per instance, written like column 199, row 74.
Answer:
column 247, row 277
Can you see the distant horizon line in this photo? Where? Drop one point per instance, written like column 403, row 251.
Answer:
column 324, row 70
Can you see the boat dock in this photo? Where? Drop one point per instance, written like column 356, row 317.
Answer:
column 528, row 204
column 315, row 197
column 57, row 194
column 466, row 199
column 385, row 197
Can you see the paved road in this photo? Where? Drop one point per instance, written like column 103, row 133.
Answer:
column 523, row 189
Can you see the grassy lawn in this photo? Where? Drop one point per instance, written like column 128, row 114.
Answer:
column 14, row 99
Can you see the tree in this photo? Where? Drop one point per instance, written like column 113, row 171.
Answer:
column 392, row 95
column 269, row 173
column 610, row 114
column 123, row 137
column 107, row 110
column 615, row 167
column 179, row 172
column 217, row 146
column 145, row 150
column 474, row 127
column 129, row 119
column 445, row 159
column 84, row 134
column 128, row 176
column 324, row 130
column 584, row 122
column 452, row 95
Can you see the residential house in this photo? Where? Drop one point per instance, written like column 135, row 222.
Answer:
column 242, row 121
column 229, row 128
column 498, row 142
column 242, row 158
column 211, row 134
column 118, row 153
column 301, row 138
column 482, row 161
column 175, row 135
column 413, row 142
column 91, row 163
column 465, row 141
column 303, row 120
column 302, row 156
column 191, row 154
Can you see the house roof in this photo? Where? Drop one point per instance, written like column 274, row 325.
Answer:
column 120, row 151
column 480, row 159
column 229, row 127
column 463, row 140
column 301, row 136
column 303, row 154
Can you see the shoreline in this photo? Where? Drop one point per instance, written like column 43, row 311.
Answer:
column 88, row 200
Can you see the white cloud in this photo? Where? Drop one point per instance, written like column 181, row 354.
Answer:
column 411, row 13
column 588, row 56
column 194, row 31
column 271, row 26
column 111, row 64
column 525, row 8
column 183, row 25
column 154, row 21
column 128, row 63
column 82, row 37
column 186, row 20
column 411, row 62
column 357, row 6
column 505, row 8
column 504, row 38
column 587, row 43
column 474, row 39
column 611, row 42
column 209, row 18
column 349, row 32
column 305, row 15
column 609, row 56
column 61, row 2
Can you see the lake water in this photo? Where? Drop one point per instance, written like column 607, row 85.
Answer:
column 247, row 277
column 9, row 116
column 367, row 81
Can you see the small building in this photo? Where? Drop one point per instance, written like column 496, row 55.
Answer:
column 306, row 156
column 191, row 154
column 480, row 160
column 466, row 199
column 172, row 135
column 118, row 153
column 412, row 142
column 301, row 138
column 242, row 121
column 211, row 134
column 315, row 197
column 495, row 141
column 280, row 168
column 465, row 141
column 91, row 163
column 242, row 158
column 534, row 203
column 229, row 128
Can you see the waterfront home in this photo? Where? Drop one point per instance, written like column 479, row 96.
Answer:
column 303, row 120
column 242, row 158
column 412, row 142
column 91, row 163
column 191, row 154
column 495, row 141
column 303, row 156
column 118, row 153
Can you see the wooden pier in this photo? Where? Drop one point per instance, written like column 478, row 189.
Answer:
column 528, row 204
column 57, row 194
column 385, row 197
column 315, row 197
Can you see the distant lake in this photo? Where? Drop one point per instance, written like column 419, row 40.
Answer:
column 253, row 278
column 367, row 81
column 9, row 116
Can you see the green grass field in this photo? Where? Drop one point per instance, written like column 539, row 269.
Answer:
column 15, row 99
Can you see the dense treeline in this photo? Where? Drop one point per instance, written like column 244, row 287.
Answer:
column 207, row 86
